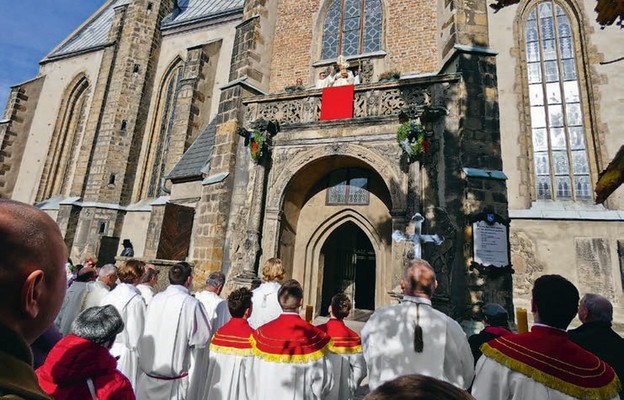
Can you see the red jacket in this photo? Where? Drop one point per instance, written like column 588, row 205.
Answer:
column 72, row 361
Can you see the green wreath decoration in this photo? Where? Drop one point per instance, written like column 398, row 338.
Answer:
column 412, row 138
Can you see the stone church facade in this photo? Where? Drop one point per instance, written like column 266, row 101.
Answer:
column 132, row 129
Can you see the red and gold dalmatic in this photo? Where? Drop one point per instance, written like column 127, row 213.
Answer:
column 289, row 339
column 233, row 338
column 547, row 356
column 344, row 340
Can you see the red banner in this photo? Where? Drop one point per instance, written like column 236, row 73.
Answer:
column 337, row 103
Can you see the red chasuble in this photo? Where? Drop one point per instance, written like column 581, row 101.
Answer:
column 289, row 339
column 345, row 341
column 233, row 338
column 547, row 356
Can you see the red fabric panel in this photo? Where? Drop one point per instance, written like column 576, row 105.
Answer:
column 337, row 103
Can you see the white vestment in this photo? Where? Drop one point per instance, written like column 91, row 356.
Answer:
column 313, row 380
column 230, row 370
column 266, row 308
column 96, row 291
column 388, row 345
column 128, row 301
column 222, row 317
column 349, row 371
column 176, row 323
column 147, row 291
column 339, row 80
column 211, row 302
column 72, row 305
column 497, row 382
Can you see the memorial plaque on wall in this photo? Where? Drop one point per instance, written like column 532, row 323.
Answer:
column 490, row 243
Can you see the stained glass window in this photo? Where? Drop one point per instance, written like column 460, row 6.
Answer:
column 166, row 110
column 348, row 186
column 559, row 151
column 351, row 27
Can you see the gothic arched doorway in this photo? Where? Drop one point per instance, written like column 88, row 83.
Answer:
column 348, row 266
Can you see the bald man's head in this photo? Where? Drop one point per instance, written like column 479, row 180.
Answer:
column 32, row 261
column 419, row 279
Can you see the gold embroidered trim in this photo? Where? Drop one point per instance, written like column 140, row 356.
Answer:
column 503, row 339
column 345, row 350
column 290, row 358
column 232, row 351
column 602, row 393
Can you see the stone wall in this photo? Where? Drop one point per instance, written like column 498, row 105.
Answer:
column 409, row 39
column 14, row 130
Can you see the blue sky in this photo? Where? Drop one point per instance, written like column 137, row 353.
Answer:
column 30, row 29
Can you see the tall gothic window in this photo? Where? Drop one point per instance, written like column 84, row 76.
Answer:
column 65, row 145
column 352, row 27
column 163, row 129
column 559, row 147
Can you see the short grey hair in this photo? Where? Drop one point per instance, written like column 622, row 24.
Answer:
column 98, row 324
column 216, row 279
column 598, row 307
column 106, row 270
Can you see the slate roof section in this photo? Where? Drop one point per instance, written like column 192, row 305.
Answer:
column 196, row 10
column 94, row 34
column 197, row 157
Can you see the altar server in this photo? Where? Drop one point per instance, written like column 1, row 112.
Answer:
column 291, row 361
column 265, row 305
column 230, row 370
column 544, row 363
column 346, row 350
column 128, row 301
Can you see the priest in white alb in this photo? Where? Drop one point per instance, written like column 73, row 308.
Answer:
column 148, row 282
column 210, row 297
column 230, row 369
column 291, row 355
column 175, row 326
column 266, row 308
column 128, row 301
column 96, row 291
column 414, row 338
column 345, row 350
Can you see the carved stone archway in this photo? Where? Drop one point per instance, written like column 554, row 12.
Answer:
column 286, row 167
column 311, row 272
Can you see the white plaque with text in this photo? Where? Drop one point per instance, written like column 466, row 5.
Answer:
column 490, row 245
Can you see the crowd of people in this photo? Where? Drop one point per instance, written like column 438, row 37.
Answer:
column 108, row 335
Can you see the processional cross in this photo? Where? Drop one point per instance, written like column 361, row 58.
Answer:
column 416, row 238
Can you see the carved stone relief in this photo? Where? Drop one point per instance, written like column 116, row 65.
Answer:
column 527, row 268
column 593, row 264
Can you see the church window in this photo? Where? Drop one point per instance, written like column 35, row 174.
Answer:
column 352, row 27
column 64, row 148
column 348, row 186
column 165, row 128
column 557, row 129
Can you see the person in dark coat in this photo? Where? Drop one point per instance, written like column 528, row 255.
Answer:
column 80, row 365
column 128, row 249
column 596, row 335
column 495, row 318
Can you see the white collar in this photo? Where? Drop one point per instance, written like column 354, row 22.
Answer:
column 414, row 299
column 289, row 313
